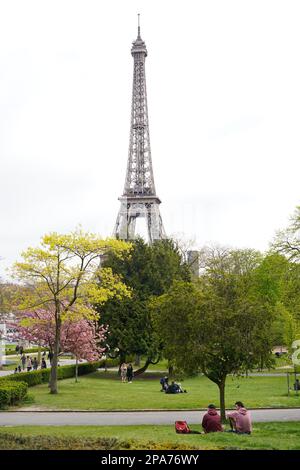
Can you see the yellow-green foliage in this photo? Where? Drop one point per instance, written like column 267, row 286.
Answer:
column 64, row 273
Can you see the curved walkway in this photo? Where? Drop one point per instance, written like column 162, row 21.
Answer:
column 62, row 418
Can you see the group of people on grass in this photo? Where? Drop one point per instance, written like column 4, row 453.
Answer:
column 174, row 387
column 239, row 420
column 126, row 372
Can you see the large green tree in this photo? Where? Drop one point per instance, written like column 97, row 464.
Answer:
column 220, row 325
column 149, row 270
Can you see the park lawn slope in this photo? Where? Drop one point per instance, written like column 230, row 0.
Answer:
column 100, row 391
column 268, row 436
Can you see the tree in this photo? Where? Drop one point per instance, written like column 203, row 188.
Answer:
column 287, row 242
column 81, row 337
column 220, row 325
column 64, row 274
column 148, row 270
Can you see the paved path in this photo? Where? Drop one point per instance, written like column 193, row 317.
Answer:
column 17, row 418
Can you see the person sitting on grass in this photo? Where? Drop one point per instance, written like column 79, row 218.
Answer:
column 211, row 421
column 164, row 382
column 240, row 420
column 175, row 388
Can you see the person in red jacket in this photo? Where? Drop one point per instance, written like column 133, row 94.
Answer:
column 211, row 421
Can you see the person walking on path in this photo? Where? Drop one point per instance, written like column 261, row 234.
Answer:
column 129, row 373
column 50, row 356
column 23, row 361
column 240, row 420
column 123, row 370
column 28, row 364
column 43, row 364
column 211, row 421
column 35, row 363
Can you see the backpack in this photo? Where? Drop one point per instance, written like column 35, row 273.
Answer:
column 181, row 427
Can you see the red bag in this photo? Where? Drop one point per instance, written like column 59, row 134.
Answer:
column 181, row 427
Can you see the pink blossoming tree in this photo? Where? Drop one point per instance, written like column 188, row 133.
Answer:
column 81, row 337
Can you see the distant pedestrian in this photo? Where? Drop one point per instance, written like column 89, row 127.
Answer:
column 35, row 363
column 21, row 350
column 28, row 364
column 19, row 368
column 43, row 364
column 123, row 370
column 23, row 361
column 129, row 373
column 17, row 349
column 50, row 356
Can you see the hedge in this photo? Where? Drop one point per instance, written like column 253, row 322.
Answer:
column 40, row 376
column 13, row 352
column 15, row 441
column 12, row 392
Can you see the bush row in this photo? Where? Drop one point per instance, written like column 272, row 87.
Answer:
column 40, row 376
column 12, row 392
column 50, row 442
column 11, row 352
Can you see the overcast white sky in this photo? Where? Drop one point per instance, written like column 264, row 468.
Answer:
column 223, row 82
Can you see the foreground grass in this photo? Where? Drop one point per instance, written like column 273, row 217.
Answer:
column 282, row 436
column 104, row 391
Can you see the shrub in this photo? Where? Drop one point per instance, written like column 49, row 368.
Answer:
column 40, row 376
column 12, row 392
column 10, row 352
column 50, row 442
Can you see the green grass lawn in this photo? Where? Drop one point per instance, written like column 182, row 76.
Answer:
column 104, row 391
column 11, row 365
column 283, row 436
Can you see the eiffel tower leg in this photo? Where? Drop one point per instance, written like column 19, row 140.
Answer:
column 149, row 224
column 131, row 227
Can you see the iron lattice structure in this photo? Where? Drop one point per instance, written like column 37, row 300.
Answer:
column 139, row 198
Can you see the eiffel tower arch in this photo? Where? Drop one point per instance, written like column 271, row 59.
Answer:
column 139, row 197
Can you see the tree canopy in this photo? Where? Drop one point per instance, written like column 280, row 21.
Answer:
column 148, row 270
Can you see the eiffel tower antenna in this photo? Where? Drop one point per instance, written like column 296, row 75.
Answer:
column 139, row 197
column 139, row 27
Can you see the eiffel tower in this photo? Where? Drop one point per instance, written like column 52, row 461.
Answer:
column 139, row 198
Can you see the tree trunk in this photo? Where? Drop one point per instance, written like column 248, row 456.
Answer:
column 137, row 361
column 76, row 370
column 170, row 368
column 39, row 354
column 142, row 369
column 221, row 386
column 53, row 373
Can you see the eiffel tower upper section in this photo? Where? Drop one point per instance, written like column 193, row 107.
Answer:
column 139, row 197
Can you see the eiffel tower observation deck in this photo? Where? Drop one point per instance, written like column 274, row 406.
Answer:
column 139, row 197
